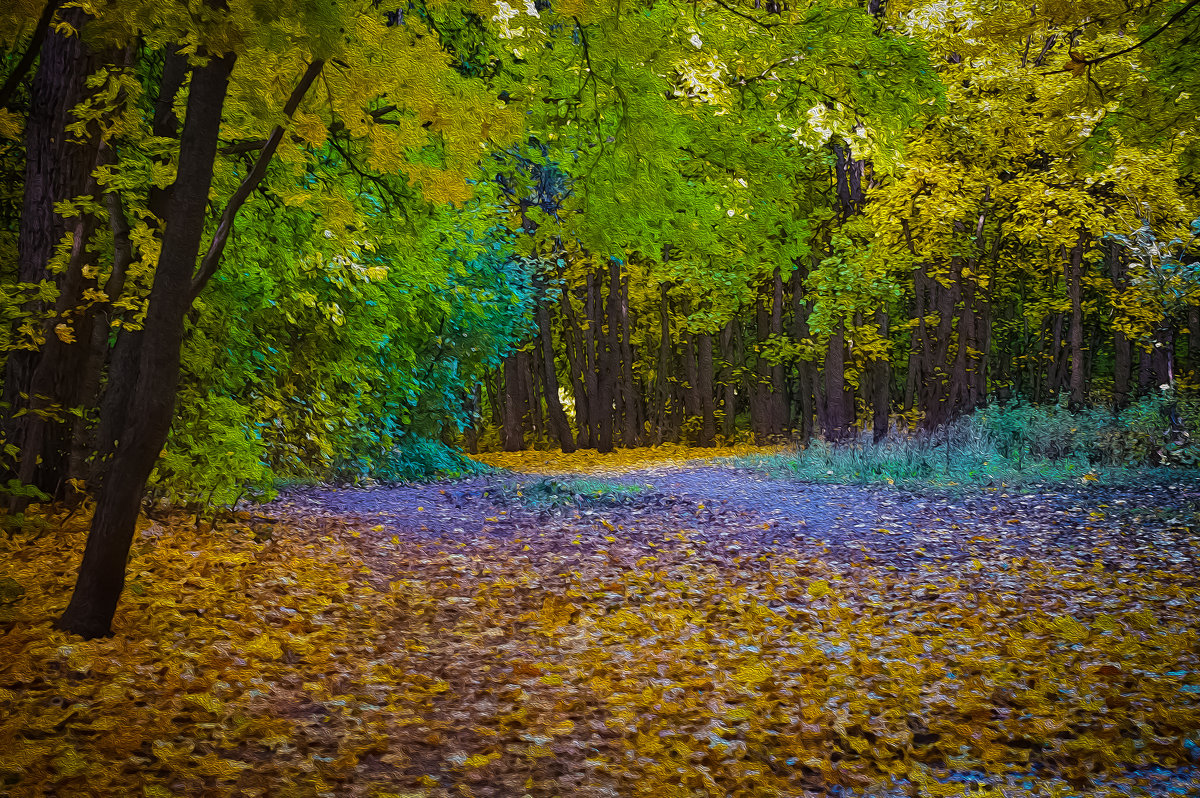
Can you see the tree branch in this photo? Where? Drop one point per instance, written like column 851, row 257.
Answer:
column 212, row 258
column 1076, row 65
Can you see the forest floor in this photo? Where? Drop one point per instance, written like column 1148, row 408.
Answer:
column 629, row 626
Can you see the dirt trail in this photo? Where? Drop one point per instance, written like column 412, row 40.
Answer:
column 589, row 554
column 836, row 522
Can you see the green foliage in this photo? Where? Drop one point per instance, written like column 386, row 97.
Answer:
column 215, row 454
column 1017, row 445
column 577, row 492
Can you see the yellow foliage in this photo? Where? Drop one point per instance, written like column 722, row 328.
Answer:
column 588, row 461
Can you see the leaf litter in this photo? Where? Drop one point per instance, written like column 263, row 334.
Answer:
column 717, row 635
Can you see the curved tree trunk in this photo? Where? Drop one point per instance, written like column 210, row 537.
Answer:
column 147, row 419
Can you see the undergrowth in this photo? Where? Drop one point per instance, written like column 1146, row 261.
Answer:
column 577, row 492
column 1014, row 446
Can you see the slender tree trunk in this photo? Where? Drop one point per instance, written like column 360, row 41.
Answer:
column 559, row 425
column 691, row 394
column 760, row 388
column 576, row 362
column 591, row 332
column 881, row 385
column 529, row 393
column 148, row 417
column 632, row 400
column 806, row 376
column 513, row 430
column 728, row 380
column 704, row 387
column 838, row 396
column 609, row 353
column 662, row 386
column 778, row 410
column 126, row 355
column 1075, row 291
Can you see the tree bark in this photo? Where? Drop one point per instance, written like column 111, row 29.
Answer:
column 704, row 388
column 1075, row 291
column 559, row 425
column 632, row 400
column 881, row 385
column 513, row 430
column 662, row 380
column 608, row 352
column 728, row 381
column 57, row 169
column 591, row 332
column 839, row 399
column 576, row 362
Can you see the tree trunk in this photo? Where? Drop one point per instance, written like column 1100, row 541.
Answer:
column 777, row 405
column 704, row 387
column 662, row 380
column 591, row 346
column 881, row 386
column 123, row 366
column 838, row 397
column 57, row 169
column 728, row 383
column 1075, row 291
column 513, row 430
column 608, row 353
column 560, row 427
column 577, row 362
column 632, row 400
column 148, row 417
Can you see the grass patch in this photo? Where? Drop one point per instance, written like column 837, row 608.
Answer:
column 1020, row 448
column 577, row 492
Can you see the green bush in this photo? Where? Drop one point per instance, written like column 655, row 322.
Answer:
column 1011, row 445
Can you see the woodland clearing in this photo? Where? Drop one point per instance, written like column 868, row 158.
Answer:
column 677, row 629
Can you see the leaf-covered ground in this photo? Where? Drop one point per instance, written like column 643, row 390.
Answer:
column 674, row 631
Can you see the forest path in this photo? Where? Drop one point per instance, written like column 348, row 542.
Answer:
column 835, row 522
column 632, row 630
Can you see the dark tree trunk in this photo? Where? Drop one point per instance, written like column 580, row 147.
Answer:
column 839, row 398
column 559, row 425
column 632, row 400
column 848, row 175
column 881, row 378
column 513, row 430
column 777, row 404
column 148, row 417
column 531, row 395
column 608, row 353
column 471, row 431
column 1075, row 292
column 761, row 406
column 806, row 373
column 691, row 396
column 123, row 368
column 82, row 442
column 662, row 383
column 704, row 387
column 728, row 381
column 577, row 363
column 591, row 348
column 57, row 169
